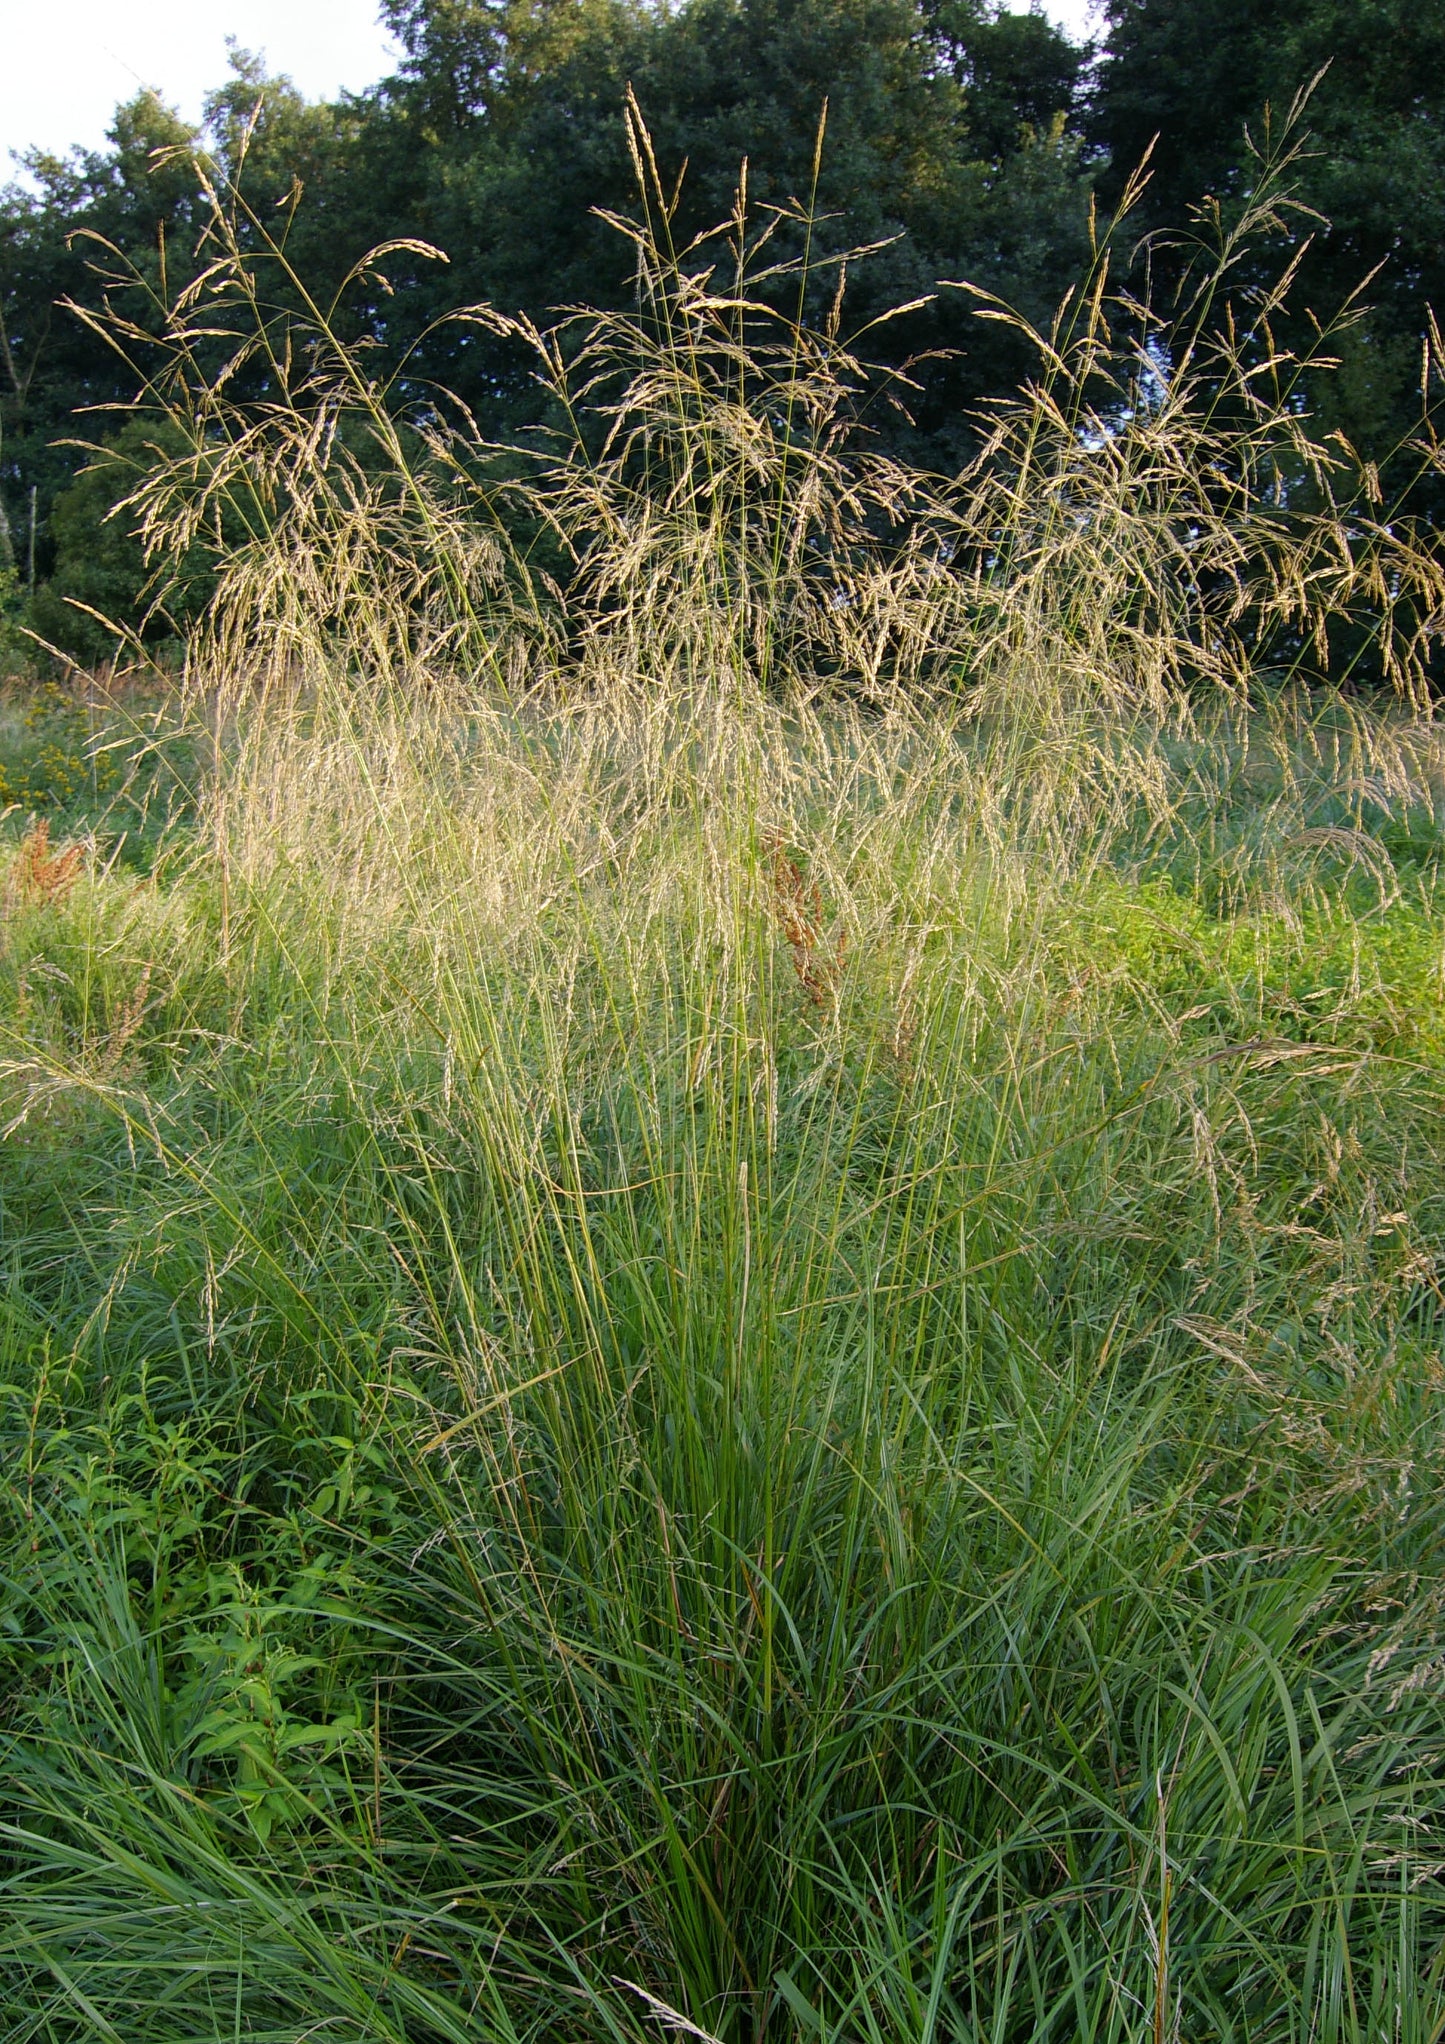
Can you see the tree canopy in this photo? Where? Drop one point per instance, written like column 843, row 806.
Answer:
column 967, row 140
column 1199, row 80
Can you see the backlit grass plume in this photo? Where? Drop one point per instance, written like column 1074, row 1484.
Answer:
column 1154, row 512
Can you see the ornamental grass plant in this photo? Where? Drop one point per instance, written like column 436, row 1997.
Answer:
column 723, row 1304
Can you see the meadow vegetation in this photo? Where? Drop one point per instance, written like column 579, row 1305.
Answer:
column 722, row 1203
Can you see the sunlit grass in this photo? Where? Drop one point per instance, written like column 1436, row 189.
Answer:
column 722, row 1287
column 550, row 1449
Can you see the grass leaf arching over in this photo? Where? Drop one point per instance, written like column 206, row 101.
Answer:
column 722, row 1308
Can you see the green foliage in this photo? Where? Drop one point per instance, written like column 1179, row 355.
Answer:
column 101, row 587
column 49, row 366
column 502, row 133
column 551, row 1472
column 14, row 647
column 105, row 770
column 965, row 136
column 1016, row 69
column 723, row 1311
column 54, row 763
column 945, row 130
column 1188, row 80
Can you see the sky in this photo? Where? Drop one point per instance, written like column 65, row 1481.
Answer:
column 66, row 64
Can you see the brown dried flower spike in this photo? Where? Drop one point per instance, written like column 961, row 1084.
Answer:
column 798, row 904
column 40, row 877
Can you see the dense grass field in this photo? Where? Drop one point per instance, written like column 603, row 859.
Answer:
column 722, row 1189
column 655, row 1377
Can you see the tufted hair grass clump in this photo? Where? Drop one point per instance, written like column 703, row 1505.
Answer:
column 723, row 1311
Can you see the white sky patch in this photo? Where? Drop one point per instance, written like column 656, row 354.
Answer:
column 65, row 65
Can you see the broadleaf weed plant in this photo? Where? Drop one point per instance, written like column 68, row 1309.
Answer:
column 747, row 1341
